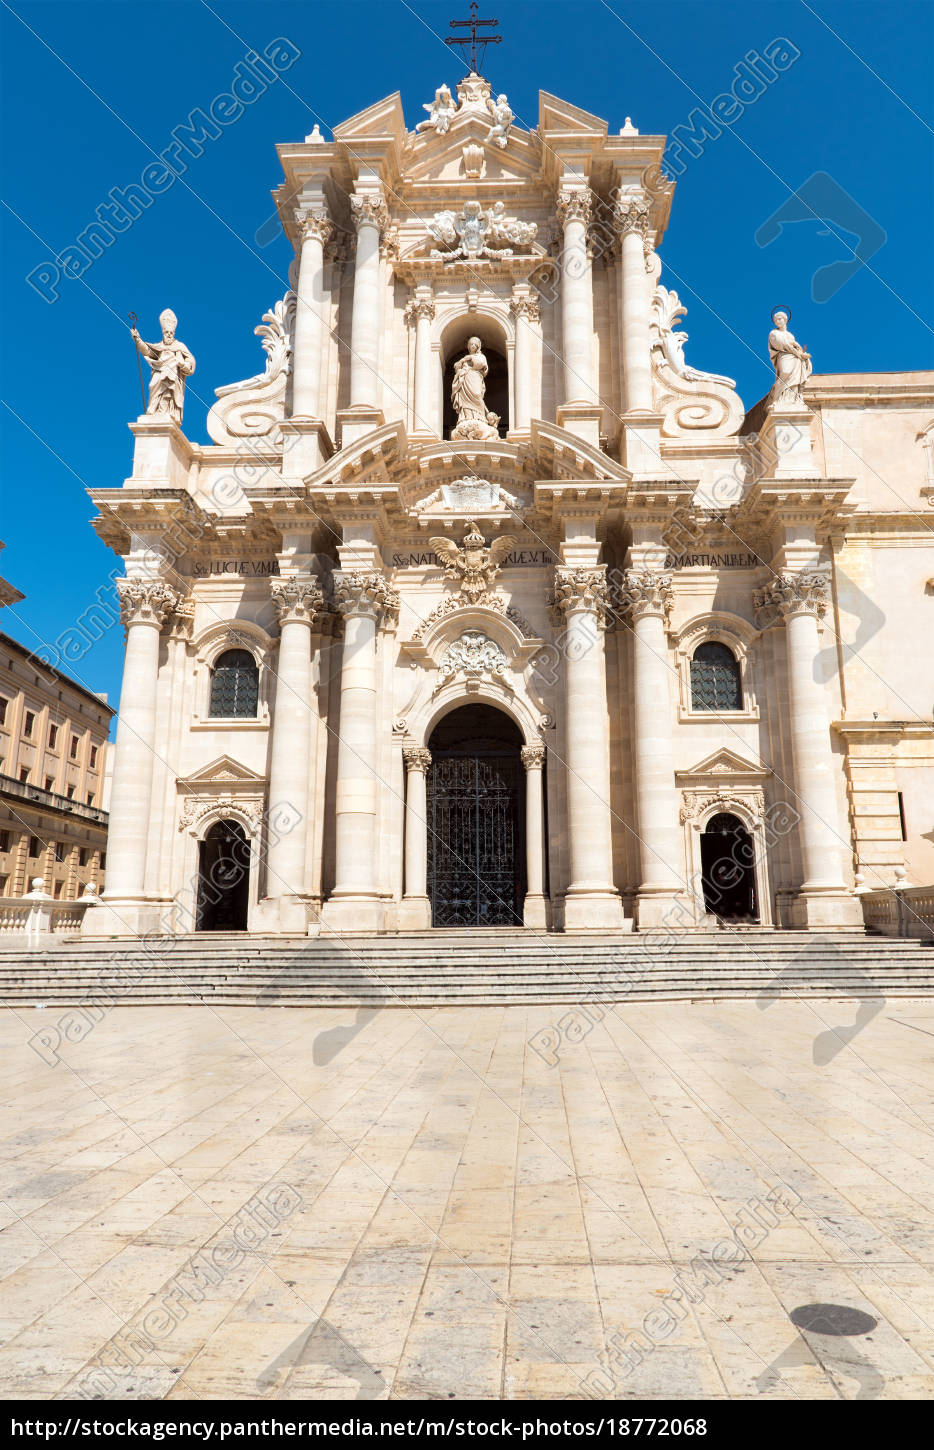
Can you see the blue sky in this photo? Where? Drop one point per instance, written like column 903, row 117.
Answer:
column 92, row 90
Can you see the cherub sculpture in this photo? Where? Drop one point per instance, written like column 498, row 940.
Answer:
column 441, row 112
column 502, row 119
column 474, row 564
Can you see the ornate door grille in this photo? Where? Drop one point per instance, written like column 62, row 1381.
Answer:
column 475, row 839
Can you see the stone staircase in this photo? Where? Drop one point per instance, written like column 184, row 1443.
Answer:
column 456, row 968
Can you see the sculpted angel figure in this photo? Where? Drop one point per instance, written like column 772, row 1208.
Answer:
column 507, row 229
column 468, row 391
column 792, row 364
column 474, row 564
column 441, row 112
column 503, row 118
column 171, row 364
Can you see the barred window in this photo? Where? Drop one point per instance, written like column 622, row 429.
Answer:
column 715, row 679
column 234, row 685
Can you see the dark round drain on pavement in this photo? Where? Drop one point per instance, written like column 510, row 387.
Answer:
column 832, row 1319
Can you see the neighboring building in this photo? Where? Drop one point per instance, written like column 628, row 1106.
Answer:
column 53, row 748
column 549, row 630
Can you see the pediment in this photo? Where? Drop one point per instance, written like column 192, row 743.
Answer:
column 381, row 121
column 557, row 115
column 723, row 765
column 223, row 771
column 431, row 159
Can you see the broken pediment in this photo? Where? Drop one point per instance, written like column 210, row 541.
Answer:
column 383, row 121
column 558, row 116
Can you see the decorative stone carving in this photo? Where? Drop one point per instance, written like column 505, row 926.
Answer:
column 697, row 802
column 474, row 158
column 785, row 595
column 369, row 210
column 196, row 809
column 474, row 653
column 253, row 408
column 503, row 118
column 577, row 589
column 296, row 599
column 181, row 620
column 171, row 364
column 525, row 305
column 468, row 390
column 456, row 602
column 469, row 234
column 688, row 398
column 314, row 223
column 474, row 565
column 416, row 757
column 792, row 364
column 441, row 112
column 365, row 593
column 419, row 309
column 145, row 601
column 472, row 495
column 574, row 206
column 631, row 214
column 533, row 756
column 644, row 592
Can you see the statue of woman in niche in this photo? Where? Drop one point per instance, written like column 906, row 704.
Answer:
column 792, row 364
column 468, row 391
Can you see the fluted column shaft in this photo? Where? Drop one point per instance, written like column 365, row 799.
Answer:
column 631, row 216
column 370, row 217
column 574, row 213
column 297, row 601
column 310, row 322
column 144, row 604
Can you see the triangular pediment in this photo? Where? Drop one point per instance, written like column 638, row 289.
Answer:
column 724, row 764
column 556, row 115
column 223, row 771
column 381, row 121
column 439, row 159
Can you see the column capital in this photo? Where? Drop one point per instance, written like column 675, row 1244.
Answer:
column 574, row 204
column 416, row 758
column 365, row 594
column 631, row 214
column 315, row 224
column 533, row 756
column 419, row 309
column 581, row 589
column 182, row 619
column 145, row 601
column 790, row 594
column 296, row 600
column 645, row 593
column 369, row 210
column 525, row 304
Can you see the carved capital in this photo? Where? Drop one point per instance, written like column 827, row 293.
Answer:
column 533, row 756
column 581, row 589
column 366, row 594
column 369, row 211
column 574, row 206
column 145, row 601
column 416, row 757
column 645, row 592
column 631, row 214
column 525, row 305
column 419, row 309
column 296, row 600
column 314, row 225
column 788, row 595
column 181, row 621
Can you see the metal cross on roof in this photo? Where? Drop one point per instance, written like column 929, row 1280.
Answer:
column 477, row 43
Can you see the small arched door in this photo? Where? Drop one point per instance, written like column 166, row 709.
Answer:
column 728, row 869
column 223, row 879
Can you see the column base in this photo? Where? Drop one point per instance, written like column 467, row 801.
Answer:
column 822, row 907
column 306, row 445
column 656, row 909
column 594, row 911
column 581, row 419
column 353, row 914
column 282, row 916
column 357, row 422
column 131, row 918
column 535, row 911
column 413, row 914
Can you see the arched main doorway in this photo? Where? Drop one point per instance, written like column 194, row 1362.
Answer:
column 223, row 878
column 728, row 869
column 476, row 814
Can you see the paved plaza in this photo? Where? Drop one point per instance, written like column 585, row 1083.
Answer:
column 452, row 1202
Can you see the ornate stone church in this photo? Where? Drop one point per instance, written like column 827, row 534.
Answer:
column 483, row 606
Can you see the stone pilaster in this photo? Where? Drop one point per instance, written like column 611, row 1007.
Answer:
column 420, row 313
column 534, row 911
column 415, row 911
column 526, row 312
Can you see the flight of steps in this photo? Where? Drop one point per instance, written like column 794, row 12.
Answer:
column 456, row 968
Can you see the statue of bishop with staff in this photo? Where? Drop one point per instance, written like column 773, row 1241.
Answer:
column 171, row 364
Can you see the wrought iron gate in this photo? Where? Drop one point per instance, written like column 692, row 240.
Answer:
column 475, row 839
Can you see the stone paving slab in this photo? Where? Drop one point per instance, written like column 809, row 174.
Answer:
column 499, row 1202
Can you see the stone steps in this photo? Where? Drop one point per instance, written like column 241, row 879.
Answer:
column 451, row 968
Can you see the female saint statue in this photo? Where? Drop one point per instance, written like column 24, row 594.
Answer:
column 468, row 391
column 792, row 364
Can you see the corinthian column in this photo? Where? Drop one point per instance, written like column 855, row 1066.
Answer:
column 574, row 213
column 310, row 330
column 533, row 911
column 631, row 217
column 364, row 599
column 823, row 898
column 370, row 218
column 297, row 600
column 525, row 310
column 591, row 899
column 421, row 311
column 647, row 594
column 144, row 604
column 416, row 907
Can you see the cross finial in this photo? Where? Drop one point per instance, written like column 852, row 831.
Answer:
column 474, row 49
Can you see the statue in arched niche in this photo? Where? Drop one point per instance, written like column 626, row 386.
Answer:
column 468, row 394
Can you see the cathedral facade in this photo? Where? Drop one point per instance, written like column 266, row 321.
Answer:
column 483, row 607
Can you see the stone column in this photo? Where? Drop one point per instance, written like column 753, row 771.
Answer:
column 421, row 311
column 574, row 214
column 416, row 908
column 526, row 311
column 370, row 217
column 297, row 601
column 354, row 904
column 824, row 899
column 144, row 604
column 591, row 899
column 631, row 216
column 534, row 911
column 647, row 595
column 309, row 347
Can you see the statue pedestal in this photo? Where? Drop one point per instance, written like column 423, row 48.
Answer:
column 785, row 443
column 581, row 419
column 641, row 450
column 162, row 455
column 357, row 422
column 306, row 446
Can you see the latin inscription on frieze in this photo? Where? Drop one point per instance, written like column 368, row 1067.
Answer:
column 246, row 568
column 518, row 559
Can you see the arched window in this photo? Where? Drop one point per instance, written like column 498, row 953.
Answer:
column 234, row 685
column 715, row 678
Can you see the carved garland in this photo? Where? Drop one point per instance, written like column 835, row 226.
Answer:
column 198, row 808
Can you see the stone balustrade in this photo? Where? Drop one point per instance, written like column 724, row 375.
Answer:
column 902, row 911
